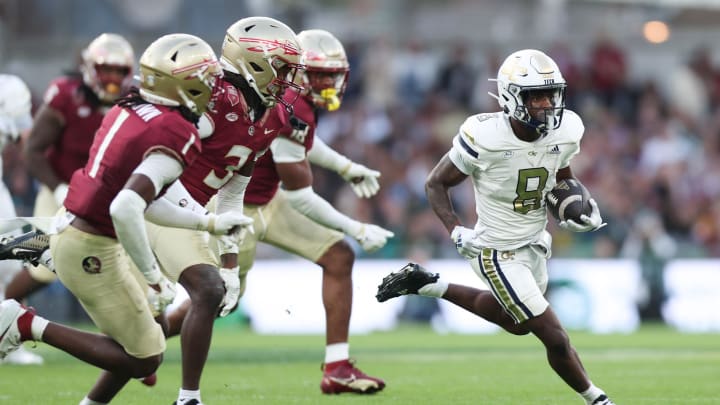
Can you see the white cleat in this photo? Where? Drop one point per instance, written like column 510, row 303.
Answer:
column 10, row 311
column 23, row 357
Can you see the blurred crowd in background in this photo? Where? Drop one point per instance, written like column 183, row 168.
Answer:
column 650, row 154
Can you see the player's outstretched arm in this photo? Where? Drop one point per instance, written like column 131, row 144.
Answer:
column 363, row 181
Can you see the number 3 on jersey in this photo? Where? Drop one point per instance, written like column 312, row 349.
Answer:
column 529, row 189
column 237, row 151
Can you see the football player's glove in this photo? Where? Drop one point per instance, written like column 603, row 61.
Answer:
column 372, row 237
column 590, row 223
column 231, row 279
column 161, row 294
column 466, row 242
column 364, row 181
column 228, row 223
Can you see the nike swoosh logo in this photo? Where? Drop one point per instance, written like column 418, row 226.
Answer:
column 344, row 381
column 267, row 131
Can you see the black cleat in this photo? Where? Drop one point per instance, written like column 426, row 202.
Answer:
column 603, row 400
column 406, row 281
column 27, row 247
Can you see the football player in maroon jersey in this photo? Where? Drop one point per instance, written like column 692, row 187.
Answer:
column 142, row 146
column 260, row 56
column 63, row 130
column 299, row 221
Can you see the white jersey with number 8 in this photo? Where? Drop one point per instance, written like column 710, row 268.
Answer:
column 511, row 176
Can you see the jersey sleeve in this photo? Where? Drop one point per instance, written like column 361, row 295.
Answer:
column 465, row 153
column 179, row 141
column 57, row 95
column 286, row 151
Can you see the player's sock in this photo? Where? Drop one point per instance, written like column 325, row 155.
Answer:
column 336, row 352
column 88, row 401
column 47, row 261
column 436, row 289
column 186, row 395
column 591, row 393
column 37, row 327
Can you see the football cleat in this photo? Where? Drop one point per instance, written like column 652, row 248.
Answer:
column 602, row 400
column 407, row 280
column 191, row 401
column 342, row 376
column 28, row 247
column 15, row 322
column 23, row 357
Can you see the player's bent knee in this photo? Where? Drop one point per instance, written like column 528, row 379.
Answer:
column 145, row 367
column 339, row 257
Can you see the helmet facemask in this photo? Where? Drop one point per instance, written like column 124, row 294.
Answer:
column 286, row 74
column 326, row 86
column 542, row 120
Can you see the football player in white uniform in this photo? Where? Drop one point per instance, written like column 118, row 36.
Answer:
column 514, row 158
column 15, row 104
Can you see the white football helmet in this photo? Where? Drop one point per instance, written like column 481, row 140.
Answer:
column 327, row 68
column 526, row 71
column 179, row 70
column 266, row 53
column 15, row 105
column 105, row 52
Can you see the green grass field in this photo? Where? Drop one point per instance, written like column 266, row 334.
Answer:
column 654, row 366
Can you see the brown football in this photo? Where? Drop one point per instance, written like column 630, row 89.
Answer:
column 569, row 199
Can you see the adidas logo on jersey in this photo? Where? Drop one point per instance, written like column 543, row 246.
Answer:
column 554, row 150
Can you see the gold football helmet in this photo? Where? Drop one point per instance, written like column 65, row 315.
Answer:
column 179, row 70
column 266, row 53
column 327, row 68
column 107, row 66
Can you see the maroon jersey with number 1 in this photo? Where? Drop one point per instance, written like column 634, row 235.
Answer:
column 125, row 138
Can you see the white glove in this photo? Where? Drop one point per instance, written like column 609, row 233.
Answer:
column 372, row 237
column 229, row 222
column 590, row 223
column 362, row 180
column 160, row 299
column 466, row 242
column 60, row 193
column 231, row 279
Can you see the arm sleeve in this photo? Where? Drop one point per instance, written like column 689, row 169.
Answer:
column 324, row 156
column 160, row 168
column 231, row 195
column 164, row 213
column 286, row 151
column 314, row 207
column 126, row 211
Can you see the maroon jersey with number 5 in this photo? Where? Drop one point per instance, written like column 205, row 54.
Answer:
column 125, row 138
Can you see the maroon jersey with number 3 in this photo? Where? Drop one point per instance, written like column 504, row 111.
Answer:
column 265, row 179
column 235, row 140
column 125, row 138
column 66, row 96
